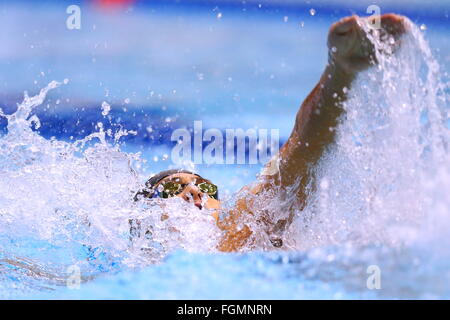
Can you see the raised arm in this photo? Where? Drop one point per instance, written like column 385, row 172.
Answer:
column 349, row 53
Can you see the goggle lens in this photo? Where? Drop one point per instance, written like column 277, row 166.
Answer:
column 209, row 188
column 171, row 189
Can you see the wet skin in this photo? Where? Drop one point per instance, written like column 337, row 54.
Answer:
column 350, row 52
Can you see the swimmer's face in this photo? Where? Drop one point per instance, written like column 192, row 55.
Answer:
column 349, row 45
column 189, row 187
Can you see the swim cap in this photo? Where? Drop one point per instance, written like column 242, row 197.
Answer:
column 163, row 174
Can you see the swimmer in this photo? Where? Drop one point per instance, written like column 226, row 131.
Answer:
column 350, row 52
column 184, row 184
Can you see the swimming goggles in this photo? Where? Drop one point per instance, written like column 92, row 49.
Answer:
column 170, row 189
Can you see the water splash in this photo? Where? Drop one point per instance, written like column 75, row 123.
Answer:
column 71, row 203
column 381, row 198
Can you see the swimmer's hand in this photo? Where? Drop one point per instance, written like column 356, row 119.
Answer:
column 349, row 47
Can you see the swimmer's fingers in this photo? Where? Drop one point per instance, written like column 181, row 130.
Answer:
column 389, row 24
column 348, row 45
column 388, row 29
column 342, row 35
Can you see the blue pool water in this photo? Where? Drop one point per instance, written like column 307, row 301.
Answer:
column 165, row 66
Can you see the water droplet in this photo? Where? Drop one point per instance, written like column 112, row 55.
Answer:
column 312, row 12
column 334, row 49
column 105, row 108
column 423, row 27
column 286, row 18
column 324, row 184
column 219, row 15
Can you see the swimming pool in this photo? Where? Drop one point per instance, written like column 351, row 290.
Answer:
column 163, row 67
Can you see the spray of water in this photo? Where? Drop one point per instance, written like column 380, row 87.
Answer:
column 71, row 203
column 384, row 183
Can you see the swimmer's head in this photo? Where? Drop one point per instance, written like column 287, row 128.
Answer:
column 187, row 185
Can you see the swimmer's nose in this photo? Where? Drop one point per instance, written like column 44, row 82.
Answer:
column 194, row 193
column 198, row 205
